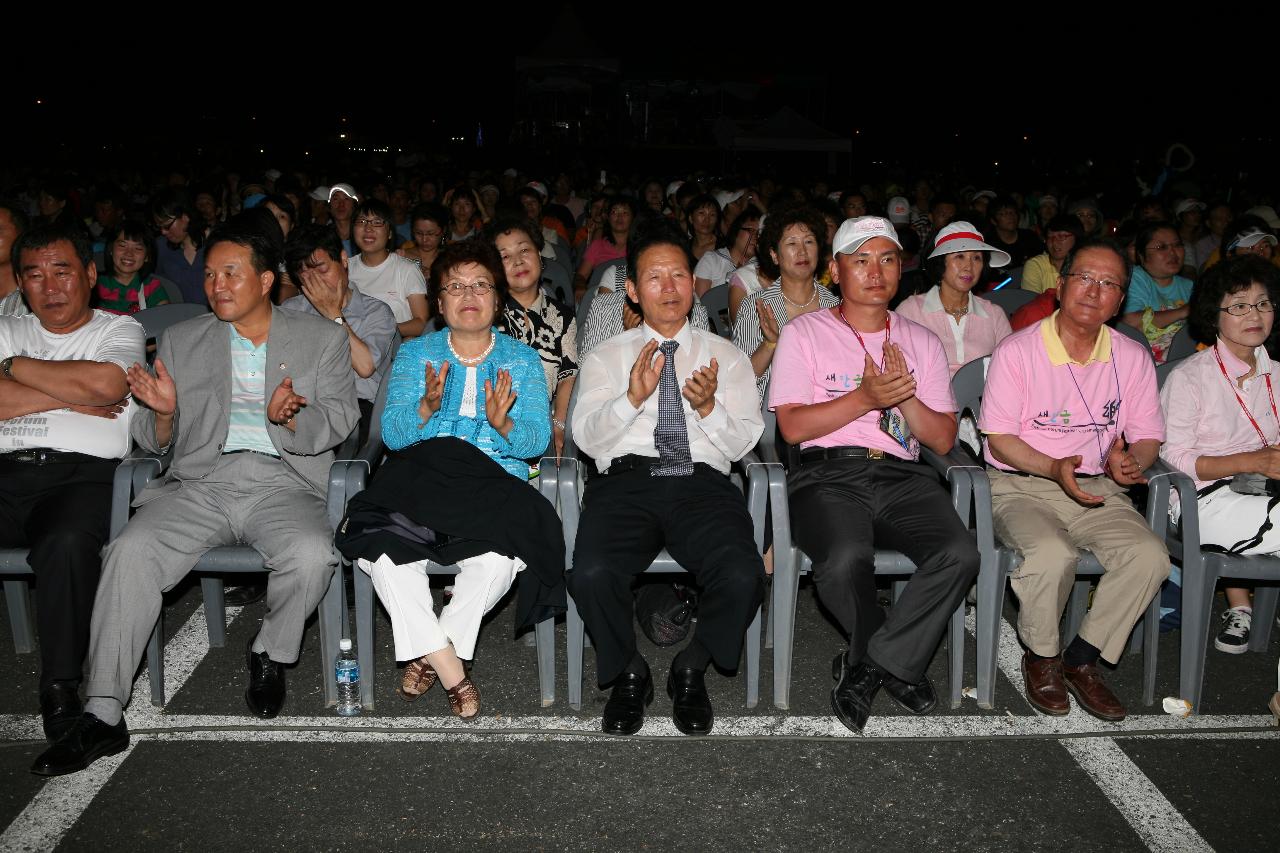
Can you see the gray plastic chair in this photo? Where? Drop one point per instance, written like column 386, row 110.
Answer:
column 558, row 282
column 357, row 473
column 572, row 475
column 967, row 387
column 1133, row 334
column 1010, row 297
column 158, row 319
column 1182, row 345
column 604, row 274
column 716, row 301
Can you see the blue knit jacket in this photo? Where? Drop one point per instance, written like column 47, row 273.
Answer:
column 531, row 412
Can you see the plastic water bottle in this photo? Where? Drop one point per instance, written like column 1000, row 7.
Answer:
column 348, row 673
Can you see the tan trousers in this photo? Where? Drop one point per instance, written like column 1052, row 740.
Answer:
column 1037, row 518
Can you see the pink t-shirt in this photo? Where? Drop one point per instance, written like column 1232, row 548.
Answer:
column 820, row 359
column 1064, row 409
column 601, row 250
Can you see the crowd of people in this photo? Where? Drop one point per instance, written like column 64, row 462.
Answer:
column 503, row 313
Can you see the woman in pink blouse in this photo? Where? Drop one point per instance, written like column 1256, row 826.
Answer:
column 1221, row 423
column 968, row 326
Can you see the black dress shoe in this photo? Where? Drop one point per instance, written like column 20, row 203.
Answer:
column 87, row 740
column 265, row 695
column 624, row 712
column 855, row 690
column 916, row 699
column 59, row 708
column 690, row 704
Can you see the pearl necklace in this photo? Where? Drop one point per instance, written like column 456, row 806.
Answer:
column 813, row 296
column 493, row 339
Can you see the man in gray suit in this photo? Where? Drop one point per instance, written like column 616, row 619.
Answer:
column 250, row 402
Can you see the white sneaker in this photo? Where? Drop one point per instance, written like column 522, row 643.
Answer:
column 1234, row 636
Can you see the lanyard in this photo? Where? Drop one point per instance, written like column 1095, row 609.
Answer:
column 887, row 334
column 1247, row 413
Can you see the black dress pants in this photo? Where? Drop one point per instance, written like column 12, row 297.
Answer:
column 841, row 511
column 702, row 521
column 62, row 512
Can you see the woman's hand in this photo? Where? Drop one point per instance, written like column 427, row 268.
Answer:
column 498, row 399
column 434, row 390
column 768, row 323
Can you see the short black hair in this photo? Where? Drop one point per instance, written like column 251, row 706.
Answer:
column 655, row 231
column 1147, row 229
column 137, row 231
column 1068, row 263
column 1231, row 275
column 1065, row 222
column 507, row 224
column 46, row 235
column 431, row 212
column 284, row 204
column 16, row 213
column 264, row 247
column 172, row 203
column 303, row 242
column 470, row 251
column 619, row 201
column 778, row 221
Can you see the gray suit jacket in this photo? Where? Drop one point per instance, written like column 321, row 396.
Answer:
column 197, row 354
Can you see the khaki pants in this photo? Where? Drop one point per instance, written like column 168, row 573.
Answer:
column 1037, row 518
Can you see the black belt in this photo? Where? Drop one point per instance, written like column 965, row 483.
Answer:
column 247, row 450
column 1017, row 473
column 819, row 454
column 634, row 462
column 42, row 456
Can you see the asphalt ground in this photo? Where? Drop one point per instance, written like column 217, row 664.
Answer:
column 204, row 775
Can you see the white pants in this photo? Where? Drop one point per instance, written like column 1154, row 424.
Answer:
column 405, row 590
column 1228, row 518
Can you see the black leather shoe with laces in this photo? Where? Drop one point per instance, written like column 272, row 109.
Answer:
column 265, row 694
column 85, row 742
column 624, row 712
column 855, row 690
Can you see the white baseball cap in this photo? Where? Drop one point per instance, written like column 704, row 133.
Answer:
column 346, row 189
column 724, row 198
column 674, row 187
column 320, row 193
column 852, row 233
column 899, row 210
column 538, row 187
column 1187, row 204
column 963, row 237
column 1249, row 239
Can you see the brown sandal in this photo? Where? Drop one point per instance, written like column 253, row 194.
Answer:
column 419, row 677
column 464, row 699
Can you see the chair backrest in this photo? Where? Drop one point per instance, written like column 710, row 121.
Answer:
column 558, row 282
column 1010, row 298
column 1133, row 334
column 968, row 383
column 716, row 301
column 1163, row 371
column 373, row 448
column 171, row 290
column 604, row 275
column 1182, row 345
column 156, row 320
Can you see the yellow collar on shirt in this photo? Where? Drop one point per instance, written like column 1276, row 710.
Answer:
column 1058, row 353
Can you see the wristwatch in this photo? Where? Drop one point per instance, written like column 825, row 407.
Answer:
column 6, row 366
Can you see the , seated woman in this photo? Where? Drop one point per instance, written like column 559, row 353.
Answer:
column 1158, row 295
column 533, row 317
column 472, row 384
column 794, row 237
column 1221, row 424
column 752, row 277
column 610, row 246
column 127, row 285
column 427, row 224
column 968, row 326
column 378, row 272
column 703, row 216
column 714, row 268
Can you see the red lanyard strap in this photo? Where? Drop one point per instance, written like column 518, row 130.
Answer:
column 1247, row 413
column 887, row 334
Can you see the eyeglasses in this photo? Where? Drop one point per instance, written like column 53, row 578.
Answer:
column 164, row 226
column 371, row 223
column 479, row 288
column 1266, row 306
column 1164, row 247
column 1089, row 281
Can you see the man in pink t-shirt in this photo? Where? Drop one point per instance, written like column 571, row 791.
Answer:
column 859, row 389
column 1062, row 398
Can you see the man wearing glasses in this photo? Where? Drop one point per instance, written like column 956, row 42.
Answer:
column 1072, row 419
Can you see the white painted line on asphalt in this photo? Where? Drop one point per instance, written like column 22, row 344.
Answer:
column 1150, row 814
column 61, row 801
column 1160, row 826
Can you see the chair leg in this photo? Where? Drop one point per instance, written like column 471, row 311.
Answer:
column 215, row 610
column 786, row 589
column 364, row 635
column 573, row 651
column 987, row 614
column 768, row 625
column 955, row 655
column 155, row 661
column 1077, row 608
column 331, row 612
column 1197, row 601
column 899, row 587
column 1264, row 614
column 1151, row 647
column 546, row 637
column 18, row 600
column 753, row 659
